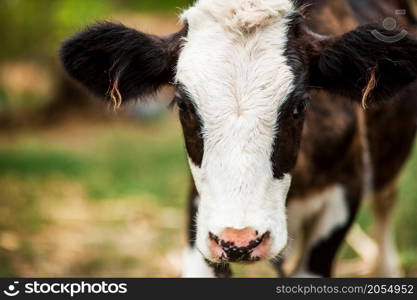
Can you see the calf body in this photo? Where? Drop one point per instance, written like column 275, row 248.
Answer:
column 346, row 153
column 271, row 103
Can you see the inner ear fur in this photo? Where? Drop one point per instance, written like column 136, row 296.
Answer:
column 118, row 63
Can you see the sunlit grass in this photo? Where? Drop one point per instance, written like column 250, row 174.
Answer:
column 120, row 164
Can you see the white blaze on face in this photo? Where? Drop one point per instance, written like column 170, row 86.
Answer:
column 234, row 67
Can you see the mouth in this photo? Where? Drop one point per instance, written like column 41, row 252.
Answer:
column 228, row 252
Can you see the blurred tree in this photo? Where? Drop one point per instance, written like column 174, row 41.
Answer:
column 24, row 28
column 34, row 28
column 155, row 5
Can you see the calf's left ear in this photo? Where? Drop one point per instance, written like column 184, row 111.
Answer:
column 369, row 64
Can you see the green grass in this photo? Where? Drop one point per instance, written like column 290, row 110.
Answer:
column 119, row 166
column 33, row 163
column 406, row 220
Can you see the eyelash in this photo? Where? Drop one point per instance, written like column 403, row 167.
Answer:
column 180, row 102
column 177, row 98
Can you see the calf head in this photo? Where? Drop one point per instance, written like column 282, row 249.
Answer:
column 242, row 72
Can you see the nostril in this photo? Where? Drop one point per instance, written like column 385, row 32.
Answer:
column 255, row 243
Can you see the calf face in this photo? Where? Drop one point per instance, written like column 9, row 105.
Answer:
column 243, row 70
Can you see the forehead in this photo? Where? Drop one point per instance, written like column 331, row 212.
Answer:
column 234, row 53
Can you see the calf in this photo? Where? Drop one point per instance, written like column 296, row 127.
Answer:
column 269, row 95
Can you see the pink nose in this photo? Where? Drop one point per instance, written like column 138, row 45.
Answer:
column 239, row 245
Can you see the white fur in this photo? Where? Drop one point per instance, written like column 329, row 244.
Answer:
column 328, row 211
column 194, row 265
column 387, row 262
column 334, row 214
column 240, row 15
column 233, row 66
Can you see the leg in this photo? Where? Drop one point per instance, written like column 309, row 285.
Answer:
column 194, row 264
column 395, row 123
column 335, row 211
column 387, row 261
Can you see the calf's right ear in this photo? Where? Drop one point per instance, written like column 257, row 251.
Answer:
column 364, row 67
column 119, row 63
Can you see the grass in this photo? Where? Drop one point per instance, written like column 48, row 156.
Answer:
column 119, row 165
column 108, row 200
column 105, row 165
column 406, row 215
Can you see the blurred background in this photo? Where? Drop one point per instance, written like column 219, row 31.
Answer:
column 88, row 192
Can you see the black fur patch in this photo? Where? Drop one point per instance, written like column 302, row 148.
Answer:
column 192, row 126
column 111, row 56
column 324, row 252
column 289, row 125
column 288, row 138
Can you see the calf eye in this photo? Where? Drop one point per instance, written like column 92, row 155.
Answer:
column 301, row 107
column 180, row 102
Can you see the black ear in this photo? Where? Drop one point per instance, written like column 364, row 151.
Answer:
column 116, row 62
column 369, row 64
